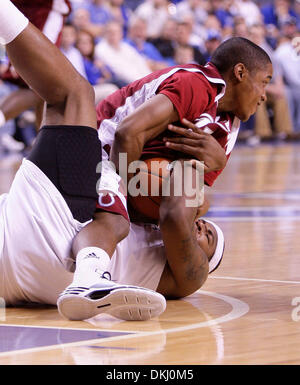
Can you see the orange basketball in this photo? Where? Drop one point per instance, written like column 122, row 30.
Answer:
column 148, row 181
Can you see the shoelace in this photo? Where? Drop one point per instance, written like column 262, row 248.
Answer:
column 106, row 275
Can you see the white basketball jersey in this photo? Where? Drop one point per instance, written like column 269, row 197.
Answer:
column 139, row 259
column 36, row 235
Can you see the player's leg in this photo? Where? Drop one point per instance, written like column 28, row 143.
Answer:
column 50, row 22
column 44, row 68
column 18, row 101
column 70, row 101
column 70, row 162
column 91, row 291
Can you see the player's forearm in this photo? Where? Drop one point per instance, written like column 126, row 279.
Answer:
column 144, row 124
column 124, row 143
column 186, row 259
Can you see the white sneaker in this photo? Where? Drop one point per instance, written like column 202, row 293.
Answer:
column 130, row 303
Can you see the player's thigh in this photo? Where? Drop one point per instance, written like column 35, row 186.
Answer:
column 69, row 156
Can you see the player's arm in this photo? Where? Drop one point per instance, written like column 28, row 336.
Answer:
column 187, row 264
column 145, row 123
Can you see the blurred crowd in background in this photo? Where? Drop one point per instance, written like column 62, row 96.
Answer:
column 114, row 42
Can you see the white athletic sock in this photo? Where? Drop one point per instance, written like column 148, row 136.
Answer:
column 2, row 119
column 91, row 262
column 12, row 22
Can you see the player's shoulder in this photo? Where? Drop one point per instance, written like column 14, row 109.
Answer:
column 194, row 74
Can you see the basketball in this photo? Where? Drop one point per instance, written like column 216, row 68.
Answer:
column 148, row 183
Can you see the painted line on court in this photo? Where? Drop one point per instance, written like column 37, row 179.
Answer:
column 284, row 195
column 239, row 308
column 255, row 279
column 252, row 219
column 284, row 209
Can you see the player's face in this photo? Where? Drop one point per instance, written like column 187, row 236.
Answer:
column 206, row 237
column 252, row 92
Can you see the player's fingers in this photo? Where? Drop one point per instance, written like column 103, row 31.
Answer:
column 193, row 142
column 187, row 149
column 182, row 131
column 189, row 124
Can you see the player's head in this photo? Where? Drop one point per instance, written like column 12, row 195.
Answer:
column 211, row 240
column 247, row 69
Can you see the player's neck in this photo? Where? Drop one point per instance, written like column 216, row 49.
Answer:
column 225, row 103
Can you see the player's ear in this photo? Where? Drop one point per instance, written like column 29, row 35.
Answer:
column 240, row 72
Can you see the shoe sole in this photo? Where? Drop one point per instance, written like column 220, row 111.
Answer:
column 129, row 304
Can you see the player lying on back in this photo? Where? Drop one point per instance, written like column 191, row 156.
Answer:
column 54, row 193
column 50, row 235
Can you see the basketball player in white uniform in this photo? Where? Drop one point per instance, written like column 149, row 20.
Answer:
column 46, row 218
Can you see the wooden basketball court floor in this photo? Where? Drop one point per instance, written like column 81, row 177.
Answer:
column 248, row 311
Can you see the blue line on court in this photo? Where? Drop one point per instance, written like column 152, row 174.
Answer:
column 14, row 338
column 254, row 213
column 284, row 195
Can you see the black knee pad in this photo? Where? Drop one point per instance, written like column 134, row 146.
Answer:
column 68, row 156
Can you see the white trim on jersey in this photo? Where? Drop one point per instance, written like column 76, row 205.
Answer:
column 232, row 135
column 108, row 127
column 60, row 6
column 53, row 26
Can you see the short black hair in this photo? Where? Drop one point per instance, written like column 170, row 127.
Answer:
column 239, row 50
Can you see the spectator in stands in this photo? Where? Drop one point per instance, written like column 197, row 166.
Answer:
column 276, row 103
column 98, row 74
column 184, row 37
column 195, row 7
column 67, row 46
column 212, row 22
column 120, row 13
column 248, row 10
column 156, row 13
column 288, row 57
column 91, row 18
column 137, row 33
column 98, row 11
column 165, row 42
column 297, row 12
column 212, row 42
column 184, row 54
column 277, row 11
column 124, row 60
column 224, row 11
column 240, row 27
column 198, row 9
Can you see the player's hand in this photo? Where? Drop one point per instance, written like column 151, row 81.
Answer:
column 200, row 145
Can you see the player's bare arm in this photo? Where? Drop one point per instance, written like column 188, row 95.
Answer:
column 145, row 123
column 187, row 266
column 66, row 93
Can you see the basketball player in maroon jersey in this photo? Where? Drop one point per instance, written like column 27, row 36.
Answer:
column 48, row 16
column 134, row 120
